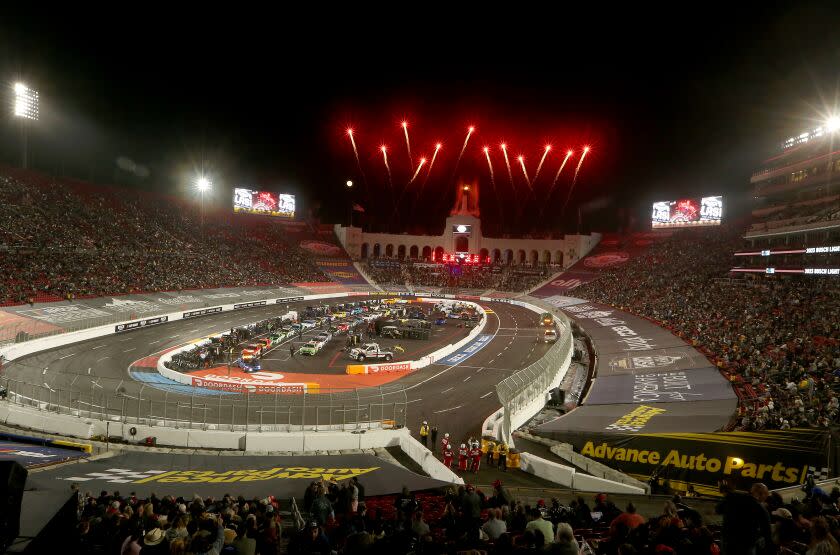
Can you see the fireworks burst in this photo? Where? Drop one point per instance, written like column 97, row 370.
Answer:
column 463, row 148
column 384, row 150
column 577, row 170
column 420, row 165
column 539, row 167
column 524, row 171
column 407, row 143
column 507, row 163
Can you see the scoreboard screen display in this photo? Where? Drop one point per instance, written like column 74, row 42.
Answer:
column 264, row 203
column 689, row 212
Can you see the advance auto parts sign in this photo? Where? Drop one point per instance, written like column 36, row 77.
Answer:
column 778, row 458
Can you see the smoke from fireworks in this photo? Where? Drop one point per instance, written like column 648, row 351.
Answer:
column 407, row 143
column 539, row 167
column 524, row 171
column 577, row 170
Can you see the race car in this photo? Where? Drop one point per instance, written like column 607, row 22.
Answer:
column 341, row 314
column 251, row 351
column 324, row 337
column 249, row 367
column 277, row 337
column 308, row 324
column 342, row 328
column 550, row 335
column 370, row 351
column 310, row 348
column 265, row 342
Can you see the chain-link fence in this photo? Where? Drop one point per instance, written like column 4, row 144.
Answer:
column 140, row 404
column 521, row 388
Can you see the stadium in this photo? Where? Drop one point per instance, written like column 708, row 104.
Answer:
column 487, row 332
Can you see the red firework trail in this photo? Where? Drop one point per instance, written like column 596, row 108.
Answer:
column 554, row 183
column 507, row 163
column 470, row 130
column 490, row 166
column 428, row 172
column 407, row 143
column 580, row 162
column 356, row 152
column 420, row 165
column 524, row 171
column 539, row 167
column 384, row 150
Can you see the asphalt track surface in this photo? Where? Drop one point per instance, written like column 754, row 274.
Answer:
column 455, row 397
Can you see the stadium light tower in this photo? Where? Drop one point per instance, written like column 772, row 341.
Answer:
column 202, row 184
column 26, row 109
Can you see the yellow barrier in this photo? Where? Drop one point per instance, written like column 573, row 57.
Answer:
column 356, row 369
column 86, row 447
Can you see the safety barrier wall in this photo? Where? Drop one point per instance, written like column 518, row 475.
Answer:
column 569, row 477
column 524, row 393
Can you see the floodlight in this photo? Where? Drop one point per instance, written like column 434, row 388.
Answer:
column 832, row 124
column 202, row 184
column 349, row 183
column 26, row 102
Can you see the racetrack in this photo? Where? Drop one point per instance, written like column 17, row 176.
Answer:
column 456, row 394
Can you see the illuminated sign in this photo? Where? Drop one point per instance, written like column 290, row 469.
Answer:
column 688, row 212
column 462, row 229
column 264, row 203
column 460, row 258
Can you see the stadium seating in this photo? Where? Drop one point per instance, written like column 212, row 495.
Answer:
column 776, row 338
column 63, row 239
column 405, row 272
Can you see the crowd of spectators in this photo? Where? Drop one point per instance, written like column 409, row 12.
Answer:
column 111, row 523
column 800, row 214
column 777, row 338
column 61, row 240
column 464, row 276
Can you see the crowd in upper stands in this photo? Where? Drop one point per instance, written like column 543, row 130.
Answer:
column 777, row 338
column 65, row 239
column 800, row 214
column 502, row 278
column 337, row 518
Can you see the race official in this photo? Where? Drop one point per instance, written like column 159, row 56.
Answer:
column 447, row 455
column 463, row 455
column 502, row 449
column 490, row 445
column 424, row 434
column 475, row 454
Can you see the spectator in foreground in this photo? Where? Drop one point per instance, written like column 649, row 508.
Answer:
column 746, row 524
column 538, row 525
column 495, row 526
column 564, row 541
column 628, row 518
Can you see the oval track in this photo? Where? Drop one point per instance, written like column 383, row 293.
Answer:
column 457, row 397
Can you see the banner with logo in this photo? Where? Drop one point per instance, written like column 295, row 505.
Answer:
column 777, row 458
column 141, row 323
column 698, row 416
column 212, row 475
column 700, row 384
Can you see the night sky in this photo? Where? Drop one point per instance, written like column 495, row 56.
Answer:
column 673, row 104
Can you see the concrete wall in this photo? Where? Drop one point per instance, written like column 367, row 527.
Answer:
column 569, row 477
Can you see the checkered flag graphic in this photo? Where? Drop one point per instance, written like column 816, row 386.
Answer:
column 115, row 476
column 819, row 473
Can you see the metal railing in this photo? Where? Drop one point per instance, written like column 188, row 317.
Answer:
column 521, row 388
column 127, row 402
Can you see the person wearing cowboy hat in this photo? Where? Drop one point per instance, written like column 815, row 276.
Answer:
column 154, row 542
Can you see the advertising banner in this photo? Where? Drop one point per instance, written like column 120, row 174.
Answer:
column 252, row 304
column 698, row 416
column 260, row 383
column 201, row 312
column 671, row 358
column 703, row 384
column 777, row 458
column 211, row 475
column 141, row 323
